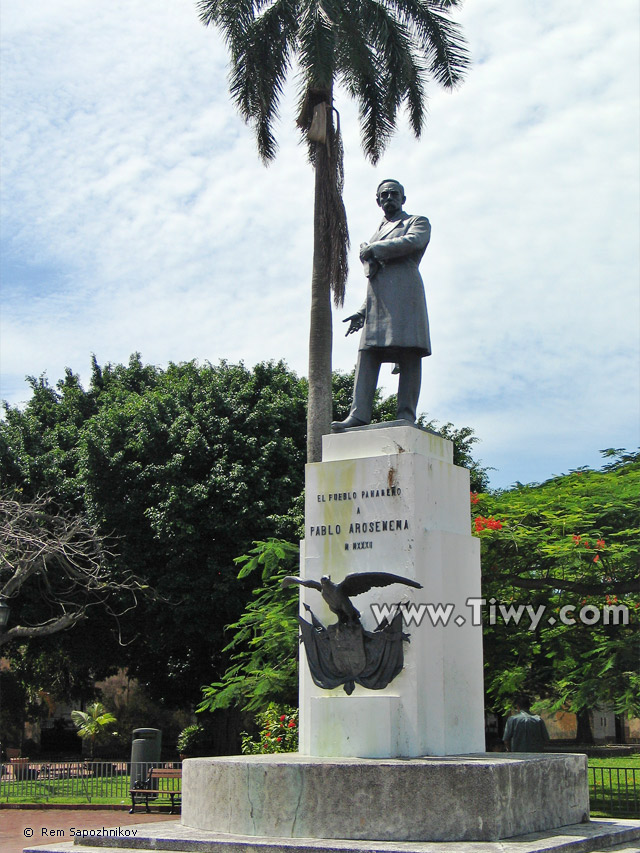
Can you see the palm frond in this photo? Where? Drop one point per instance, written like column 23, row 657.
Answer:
column 231, row 16
column 399, row 69
column 416, row 98
column 437, row 36
column 316, row 44
column 260, row 58
column 208, row 11
column 372, row 64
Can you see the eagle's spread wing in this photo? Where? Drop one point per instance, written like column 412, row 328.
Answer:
column 360, row 582
column 290, row 580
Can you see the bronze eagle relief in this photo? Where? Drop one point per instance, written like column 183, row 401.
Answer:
column 345, row 653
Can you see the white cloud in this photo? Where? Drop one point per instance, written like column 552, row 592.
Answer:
column 137, row 217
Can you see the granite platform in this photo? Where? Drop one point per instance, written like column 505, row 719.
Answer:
column 613, row 836
column 481, row 797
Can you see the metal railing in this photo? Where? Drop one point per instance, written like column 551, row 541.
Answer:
column 615, row 790
column 85, row 781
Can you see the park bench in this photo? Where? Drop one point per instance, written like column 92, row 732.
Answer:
column 147, row 790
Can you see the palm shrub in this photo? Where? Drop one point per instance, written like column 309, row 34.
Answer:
column 94, row 724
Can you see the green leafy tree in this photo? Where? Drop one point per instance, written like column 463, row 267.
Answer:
column 264, row 643
column 179, row 470
column 93, row 725
column 188, row 473
column 569, row 549
column 382, row 53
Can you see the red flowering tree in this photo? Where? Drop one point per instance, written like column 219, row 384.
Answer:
column 277, row 732
column 560, row 579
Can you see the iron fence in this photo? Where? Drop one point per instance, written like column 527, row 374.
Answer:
column 22, row 780
column 615, row 790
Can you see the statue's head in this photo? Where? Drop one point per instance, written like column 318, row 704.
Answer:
column 390, row 196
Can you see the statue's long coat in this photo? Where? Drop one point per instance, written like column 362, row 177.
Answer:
column 395, row 308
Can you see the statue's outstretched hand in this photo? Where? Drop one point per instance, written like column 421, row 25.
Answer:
column 356, row 321
column 366, row 252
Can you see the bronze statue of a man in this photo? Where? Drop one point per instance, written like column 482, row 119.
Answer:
column 393, row 318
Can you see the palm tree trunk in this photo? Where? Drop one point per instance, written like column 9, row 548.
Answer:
column 320, row 328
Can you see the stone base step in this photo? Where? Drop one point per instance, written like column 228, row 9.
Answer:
column 619, row 848
column 596, row 836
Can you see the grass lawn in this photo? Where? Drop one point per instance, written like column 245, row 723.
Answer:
column 95, row 790
column 630, row 761
column 60, row 791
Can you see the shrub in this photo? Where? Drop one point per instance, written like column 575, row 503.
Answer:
column 278, row 732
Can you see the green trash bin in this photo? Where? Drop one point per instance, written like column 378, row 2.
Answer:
column 146, row 746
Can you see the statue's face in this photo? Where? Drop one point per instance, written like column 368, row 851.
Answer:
column 390, row 198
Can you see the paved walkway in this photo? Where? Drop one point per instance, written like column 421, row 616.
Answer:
column 21, row 828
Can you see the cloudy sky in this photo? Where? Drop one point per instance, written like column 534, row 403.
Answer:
column 136, row 216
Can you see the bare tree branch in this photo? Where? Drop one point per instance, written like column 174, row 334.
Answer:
column 20, row 632
column 65, row 562
column 582, row 587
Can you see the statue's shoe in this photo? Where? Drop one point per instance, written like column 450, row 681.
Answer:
column 347, row 423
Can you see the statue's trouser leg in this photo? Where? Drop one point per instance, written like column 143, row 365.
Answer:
column 364, row 387
column 409, row 386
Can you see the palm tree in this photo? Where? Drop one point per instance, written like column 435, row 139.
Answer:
column 382, row 52
column 93, row 723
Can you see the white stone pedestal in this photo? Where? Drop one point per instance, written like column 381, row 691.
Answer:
column 389, row 499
